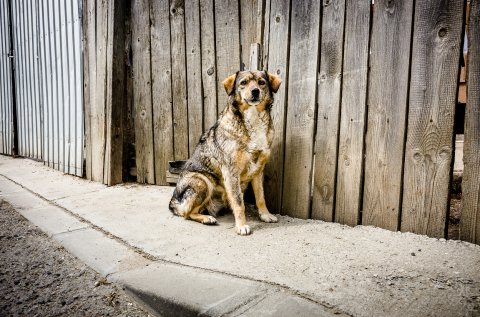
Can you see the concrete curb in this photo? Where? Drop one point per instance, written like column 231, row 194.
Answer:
column 163, row 288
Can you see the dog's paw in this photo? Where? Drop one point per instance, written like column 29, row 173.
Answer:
column 243, row 230
column 209, row 220
column 268, row 217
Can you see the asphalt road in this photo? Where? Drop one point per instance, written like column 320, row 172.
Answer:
column 39, row 278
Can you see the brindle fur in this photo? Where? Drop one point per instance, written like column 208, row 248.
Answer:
column 231, row 154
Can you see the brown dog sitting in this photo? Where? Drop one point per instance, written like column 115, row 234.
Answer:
column 231, row 154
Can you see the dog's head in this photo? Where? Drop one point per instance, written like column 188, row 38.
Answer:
column 252, row 88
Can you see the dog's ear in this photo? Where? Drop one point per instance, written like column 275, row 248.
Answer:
column 275, row 81
column 229, row 83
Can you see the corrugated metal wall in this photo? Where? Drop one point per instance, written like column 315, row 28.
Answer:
column 61, row 68
column 27, row 84
column 48, row 79
column 6, row 100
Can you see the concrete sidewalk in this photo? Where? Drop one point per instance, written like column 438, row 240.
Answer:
column 294, row 267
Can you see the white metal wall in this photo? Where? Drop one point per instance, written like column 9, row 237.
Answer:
column 6, row 98
column 48, row 77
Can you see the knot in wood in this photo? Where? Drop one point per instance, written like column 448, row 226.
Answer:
column 442, row 32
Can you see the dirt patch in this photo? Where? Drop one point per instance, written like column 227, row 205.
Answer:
column 40, row 278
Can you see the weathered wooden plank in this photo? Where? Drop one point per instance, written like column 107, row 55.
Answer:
column 97, row 110
column 179, row 79
column 248, row 29
column 470, row 220
column 209, row 72
column 254, row 59
column 89, row 62
column 329, row 88
column 428, row 154
column 115, row 97
column 277, row 64
column 161, row 88
column 352, row 122
column 194, row 73
column 300, row 121
column 387, row 109
column 144, row 147
column 266, row 33
column 227, row 39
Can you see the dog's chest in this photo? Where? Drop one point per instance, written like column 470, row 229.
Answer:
column 259, row 130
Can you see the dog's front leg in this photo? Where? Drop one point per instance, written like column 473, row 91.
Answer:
column 235, row 199
column 257, row 184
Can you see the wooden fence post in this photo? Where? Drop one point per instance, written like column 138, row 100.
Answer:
column 470, row 220
column 104, row 89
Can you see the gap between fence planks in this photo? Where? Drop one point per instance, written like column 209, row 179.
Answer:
column 433, row 91
column 387, row 110
column 470, row 220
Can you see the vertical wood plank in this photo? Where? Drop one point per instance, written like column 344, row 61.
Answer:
column 97, row 111
column 254, row 59
column 227, row 39
column 248, row 31
column 115, row 98
column 329, row 90
column 387, row 108
column 209, row 71
column 89, row 67
column 470, row 221
column 161, row 88
column 179, row 79
column 144, row 147
column 266, row 33
column 435, row 64
column 194, row 73
column 300, row 122
column 352, row 122
column 277, row 64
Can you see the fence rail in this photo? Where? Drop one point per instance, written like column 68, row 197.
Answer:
column 364, row 117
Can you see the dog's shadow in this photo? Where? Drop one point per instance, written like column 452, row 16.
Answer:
column 226, row 218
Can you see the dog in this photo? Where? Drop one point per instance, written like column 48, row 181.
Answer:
column 231, row 154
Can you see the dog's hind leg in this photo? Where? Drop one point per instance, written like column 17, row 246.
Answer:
column 194, row 198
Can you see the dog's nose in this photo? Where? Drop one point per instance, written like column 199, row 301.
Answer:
column 255, row 93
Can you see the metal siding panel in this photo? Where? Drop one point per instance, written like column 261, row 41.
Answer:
column 49, row 77
column 51, row 105
column 71, row 88
column 3, row 78
column 79, row 120
column 39, row 82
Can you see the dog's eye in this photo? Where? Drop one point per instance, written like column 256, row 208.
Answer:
column 261, row 82
column 243, row 82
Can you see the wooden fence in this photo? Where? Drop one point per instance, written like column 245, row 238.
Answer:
column 364, row 117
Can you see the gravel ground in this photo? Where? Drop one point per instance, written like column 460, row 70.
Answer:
column 40, row 278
